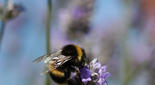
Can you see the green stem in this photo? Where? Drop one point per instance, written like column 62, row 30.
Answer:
column 127, row 71
column 48, row 26
column 3, row 22
column 2, row 32
column 48, row 23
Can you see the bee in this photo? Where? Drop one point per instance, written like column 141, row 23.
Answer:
column 62, row 62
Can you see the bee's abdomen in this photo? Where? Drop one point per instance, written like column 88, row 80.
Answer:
column 59, row 76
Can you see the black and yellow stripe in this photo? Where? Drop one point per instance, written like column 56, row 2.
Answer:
column 79, row 52
column 59, row 75
column 73, row 51
column 56, row 72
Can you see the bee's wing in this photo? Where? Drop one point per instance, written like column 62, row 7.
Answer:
column 46, row 70
column 39, row 59
column 47, row 58
column 55, row 62
column 51, row 56
column 60, row 60
column 64, row 59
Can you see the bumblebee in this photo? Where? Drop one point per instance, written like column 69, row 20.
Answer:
column 61, row 63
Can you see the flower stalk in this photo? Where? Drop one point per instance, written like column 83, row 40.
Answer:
column 3, row 22
column 48, row 26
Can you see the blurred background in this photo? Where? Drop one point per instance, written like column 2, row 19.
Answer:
column 120, row 33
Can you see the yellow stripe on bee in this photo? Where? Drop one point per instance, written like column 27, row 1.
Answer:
column 56, row 72
column 79, row 52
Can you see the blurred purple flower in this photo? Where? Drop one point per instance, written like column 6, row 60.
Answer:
column 95, row 73
column 77, row 13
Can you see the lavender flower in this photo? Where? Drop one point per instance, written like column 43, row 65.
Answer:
column 94, row 74
column 78, row 13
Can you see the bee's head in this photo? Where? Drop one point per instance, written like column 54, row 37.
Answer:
column 69, row 50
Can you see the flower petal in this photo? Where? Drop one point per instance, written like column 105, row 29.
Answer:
column 102, row 69
column 97, row 65
column 85, row 73
column 86, row 80
column 105, row 75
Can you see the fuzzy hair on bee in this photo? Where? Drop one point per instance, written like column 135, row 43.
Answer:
column 62, row 62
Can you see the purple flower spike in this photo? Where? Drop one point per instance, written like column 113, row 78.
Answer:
column 94, row 74
column 101, row 72
column 77, row 13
